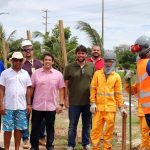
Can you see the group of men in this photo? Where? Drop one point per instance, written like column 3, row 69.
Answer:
column 90, row 87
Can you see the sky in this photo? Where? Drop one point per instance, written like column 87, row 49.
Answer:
column 124, row 20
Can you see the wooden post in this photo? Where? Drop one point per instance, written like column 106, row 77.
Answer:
column 62, row 41
column 124, row 118
column 4, row 46
column 29, row 37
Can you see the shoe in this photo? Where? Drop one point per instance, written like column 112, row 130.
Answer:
column 70, row 148
column 2, row 148
column 26, row 144
column 34, row 148
column 50, row 148
column 87, row 147
column 42, row 141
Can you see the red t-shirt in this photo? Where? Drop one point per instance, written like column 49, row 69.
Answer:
column 99, row 62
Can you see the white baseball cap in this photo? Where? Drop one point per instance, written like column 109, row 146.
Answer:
column 26, row 43
column 17, row 55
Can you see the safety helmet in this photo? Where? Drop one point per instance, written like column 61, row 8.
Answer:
column 26, row 43
column 109, row 55
column 141, row 46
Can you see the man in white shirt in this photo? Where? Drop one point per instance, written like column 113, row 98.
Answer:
column 15, row 84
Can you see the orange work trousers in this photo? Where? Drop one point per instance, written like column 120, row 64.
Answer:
column 145, row 137
column 100, row 119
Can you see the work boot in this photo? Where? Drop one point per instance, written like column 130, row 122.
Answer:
column 87, row 147
column 25, row 144
column 70, row 148
column 42, row 141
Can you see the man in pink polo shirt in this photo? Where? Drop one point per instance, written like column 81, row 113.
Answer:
column 96, row 57
column 47, row 84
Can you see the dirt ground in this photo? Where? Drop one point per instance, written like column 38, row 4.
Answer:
column 61, row 131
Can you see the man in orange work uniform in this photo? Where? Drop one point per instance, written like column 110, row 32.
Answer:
column 142, row 48
column 106, row 95
column 145, row 139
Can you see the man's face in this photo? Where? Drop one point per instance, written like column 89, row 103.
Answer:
column 108, row 63
column 96, row 52
column 28, row 51
column 17, row 63
column 81, row 56
column 48, row 62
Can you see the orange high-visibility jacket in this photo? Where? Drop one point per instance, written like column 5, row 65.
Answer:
column 144, row 85
column 106, row 93
column 134, row 91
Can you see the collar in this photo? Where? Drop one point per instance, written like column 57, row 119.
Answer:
column 95, row 60
column 11, row 69
column 50, row 71
column 31, row 61
column 77, row 65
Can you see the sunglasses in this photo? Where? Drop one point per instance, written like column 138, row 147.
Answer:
column 28, row 49
column 17, row 60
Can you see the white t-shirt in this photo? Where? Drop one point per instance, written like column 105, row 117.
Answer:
column 15, row 84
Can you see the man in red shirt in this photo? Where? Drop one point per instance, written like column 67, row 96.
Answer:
column 96, row 58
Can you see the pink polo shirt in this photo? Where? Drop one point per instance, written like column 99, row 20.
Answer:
column 46, row 84
column 99, row 62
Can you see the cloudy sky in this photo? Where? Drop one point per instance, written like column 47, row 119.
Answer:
column 125, row 20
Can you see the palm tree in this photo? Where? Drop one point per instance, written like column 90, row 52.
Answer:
column 93, row 35
column 4, row 43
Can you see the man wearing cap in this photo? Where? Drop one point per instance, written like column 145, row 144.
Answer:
column 30, row 65
column 15, row 84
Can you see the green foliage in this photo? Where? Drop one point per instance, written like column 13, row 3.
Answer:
column 93, row 35
column 15, row 45
column 51, row 43
column 126, row 59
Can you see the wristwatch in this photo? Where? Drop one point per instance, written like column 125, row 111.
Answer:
column 61, row 105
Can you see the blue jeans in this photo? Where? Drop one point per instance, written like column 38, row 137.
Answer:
column 74, row 115
column 25, row 133
column 147, row 117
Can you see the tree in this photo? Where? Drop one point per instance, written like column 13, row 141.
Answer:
column 4, row 43
column 51, row 43
column 93, row 35
column 126, row 59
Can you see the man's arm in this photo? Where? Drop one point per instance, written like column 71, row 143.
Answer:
column 2, row 92
column 61, row 96
column 66, row 94
column 28, row 99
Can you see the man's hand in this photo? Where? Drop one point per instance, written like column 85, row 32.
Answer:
column 2, row 109
column 29, row 109
column 93, row 108
column 128, row 75
column 123, row 111
column 59, row 109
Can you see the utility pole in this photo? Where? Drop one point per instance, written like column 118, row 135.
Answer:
column 103, row 23
column 46, row 19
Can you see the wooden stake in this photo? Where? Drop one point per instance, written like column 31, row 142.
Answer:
column 62, row 41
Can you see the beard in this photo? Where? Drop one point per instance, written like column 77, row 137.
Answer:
column 80, row 60
column 96, row 55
